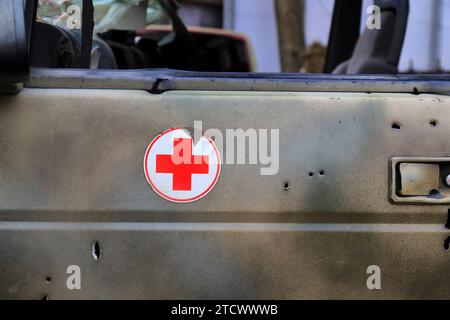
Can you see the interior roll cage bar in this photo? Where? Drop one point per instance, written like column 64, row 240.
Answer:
column 346, row 26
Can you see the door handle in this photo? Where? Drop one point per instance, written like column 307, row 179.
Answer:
column 420, row 180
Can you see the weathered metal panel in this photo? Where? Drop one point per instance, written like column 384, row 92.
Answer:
column 223, row 261
column 75, row 156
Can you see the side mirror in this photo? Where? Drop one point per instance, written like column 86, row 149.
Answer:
column 14, row 67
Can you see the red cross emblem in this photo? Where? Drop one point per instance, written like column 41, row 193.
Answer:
column 178, row 170
column 182, row 165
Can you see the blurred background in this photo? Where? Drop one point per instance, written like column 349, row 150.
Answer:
column 285, row 30
column 285, row 35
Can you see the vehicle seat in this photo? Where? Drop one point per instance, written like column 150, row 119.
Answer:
column 102, row 56
column 128, row 57
column 53, row 47
column 378, row 51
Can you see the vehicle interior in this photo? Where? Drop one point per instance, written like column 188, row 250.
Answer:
column 56, row 47
column 349, row 52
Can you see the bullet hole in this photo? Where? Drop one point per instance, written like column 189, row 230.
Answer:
column 96, row 251
column 447, row 244
column 416, row 91
column 286, row 186
column 48, row 279
column 311, row 174
column 396, row 126
column 43, row 297
column 433, row 123
column 447, row 223
column 435, row 193
column 321, row 173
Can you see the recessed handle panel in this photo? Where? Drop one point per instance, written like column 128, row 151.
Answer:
column 420, row 180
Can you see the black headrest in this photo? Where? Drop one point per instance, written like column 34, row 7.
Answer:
column 378, row 51
column 401, row 10
column 53, row 47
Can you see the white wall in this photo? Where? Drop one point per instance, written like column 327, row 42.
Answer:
column 257, row 19
column 417, row 47
column 445, row 35
column 318, row 14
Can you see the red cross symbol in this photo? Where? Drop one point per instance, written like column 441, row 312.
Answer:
column 182, row 164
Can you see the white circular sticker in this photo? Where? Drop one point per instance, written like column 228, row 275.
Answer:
column 179, row 170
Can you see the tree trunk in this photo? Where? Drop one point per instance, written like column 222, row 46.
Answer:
column 291, row 33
